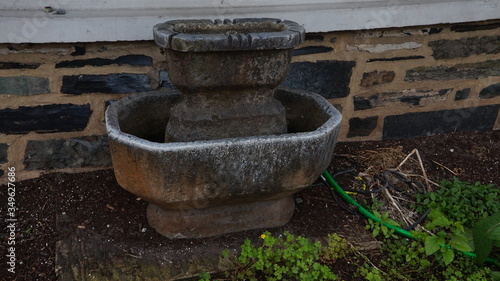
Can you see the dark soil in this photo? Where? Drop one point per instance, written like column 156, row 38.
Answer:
column 54, row 205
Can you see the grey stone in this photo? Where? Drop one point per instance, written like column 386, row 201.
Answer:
column 462, row 94
column 91, row 151
column 185, row 177
column 418, row 124
column 328, row 78
column 239, row 34
column 24, row 85
column 412, row 97
column 474, row 26
column 475, row 70
column 464, row 47
column 49, row 118
column 491, row 91
column 360, row 127
column 115, row 83
column 3, row 153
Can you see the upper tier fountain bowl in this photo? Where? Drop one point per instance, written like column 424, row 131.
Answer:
column 203, row 185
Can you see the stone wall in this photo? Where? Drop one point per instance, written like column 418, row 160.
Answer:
column 391, row 83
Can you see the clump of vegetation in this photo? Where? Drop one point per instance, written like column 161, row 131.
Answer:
column 463, row 217
column 286, row 257
column 461, row 201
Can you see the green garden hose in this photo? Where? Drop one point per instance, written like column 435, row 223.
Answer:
column 333, row 184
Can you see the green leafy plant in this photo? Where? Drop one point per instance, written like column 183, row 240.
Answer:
column 449, row 236
column 378, row 229
column 461, row 201
column 286, row 257
column 486, row 236
column 337, row 248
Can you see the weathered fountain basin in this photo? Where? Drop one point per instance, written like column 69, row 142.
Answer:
column 210, row 187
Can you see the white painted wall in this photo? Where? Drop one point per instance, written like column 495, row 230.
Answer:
column 128, row 20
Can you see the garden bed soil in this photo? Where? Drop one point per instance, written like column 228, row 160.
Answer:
column 89, row 214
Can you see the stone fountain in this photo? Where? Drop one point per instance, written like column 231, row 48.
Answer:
column 228, row 149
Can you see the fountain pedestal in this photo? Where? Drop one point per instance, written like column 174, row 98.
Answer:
column 227, row 151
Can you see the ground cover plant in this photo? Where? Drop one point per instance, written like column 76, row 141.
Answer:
column 441, row 248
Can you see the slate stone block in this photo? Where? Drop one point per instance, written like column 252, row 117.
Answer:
column 464, row 47
column 44, row 118
column 361, row 127
column 3, row 152
column 460, row 71
column 462, row 94
column 491, row 91
column 411, row 97
column 474, row 27
column 24, row 85
column 314, row 37
column 79, row 51
column 135, row 60
column 17, row 65
column 311, row 50
column 377, row 78
column 90, row 151
column 411, row 125
column 328, row 78
column 116, row 83
column 397, row 58
column 363, row 103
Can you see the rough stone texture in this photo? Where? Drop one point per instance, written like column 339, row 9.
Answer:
column 24, row 85
column 328, row 78
column 460, row 71
column 361, row 127
column 417, row 124
column 474, row 27
column 106, row 260
column 220, row 220
column 461, row 48
column 376, row 78
column 462, row 94
column 44, row 118
column 397, row 58
column 36, row 49
column 227, row 35
column 311, row 50
column 397, row 33
column 135, row 60
column 206, row 174
column 381, row 48
column 116, row 83
column 1, row 173
column 236, row 103
column 3, row 152
column 413, row 97
column 91, row 151
column 491, row 91
column 17, row 65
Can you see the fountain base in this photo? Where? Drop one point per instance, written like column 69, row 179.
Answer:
column 197, row 223
column 210, row 187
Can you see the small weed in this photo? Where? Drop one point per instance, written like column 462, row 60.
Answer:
column 337, row 248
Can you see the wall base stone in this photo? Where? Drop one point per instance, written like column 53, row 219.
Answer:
column 418, row 124
column 91, row 151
